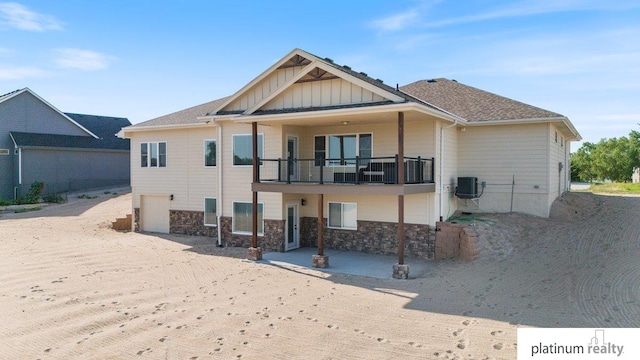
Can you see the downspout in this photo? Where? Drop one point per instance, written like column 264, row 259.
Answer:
column 219, row 206
column 442, row 129
column 15, row 192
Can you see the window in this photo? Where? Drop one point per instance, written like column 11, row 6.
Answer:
column 561, row 141
column 4, row 151
column 243, row 149
column 343, row 216
column 210, row 213
column 209, row 153
column 556, row 137
column 153, row 154
column 342, row 149
column 242, row 218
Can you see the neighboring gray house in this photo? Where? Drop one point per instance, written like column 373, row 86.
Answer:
column 66, row 151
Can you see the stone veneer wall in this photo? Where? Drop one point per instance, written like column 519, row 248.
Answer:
column 272, row 240
column 136, row 219
column 373, row 237
column 190, row 223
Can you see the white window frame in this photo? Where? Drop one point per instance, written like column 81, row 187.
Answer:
column 260, row 149
column 233, row 218
column 157, row 143
column 204, row 155
column 205, row 212
column 342, row 224
column 327, row 149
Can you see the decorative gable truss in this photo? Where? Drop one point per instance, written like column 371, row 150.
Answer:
column 302, row 81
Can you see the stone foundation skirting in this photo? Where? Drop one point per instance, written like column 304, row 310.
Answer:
column 373, row 237
column 136, row 219
column 190, row 223
column 272, row 240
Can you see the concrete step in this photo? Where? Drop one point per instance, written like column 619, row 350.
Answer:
column 122, row 224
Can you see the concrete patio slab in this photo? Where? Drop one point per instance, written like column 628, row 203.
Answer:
column 348, row 262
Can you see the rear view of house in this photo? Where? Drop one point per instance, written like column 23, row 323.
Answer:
column 66, row 151
column 311, row 153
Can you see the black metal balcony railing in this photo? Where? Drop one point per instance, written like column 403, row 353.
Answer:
column 377, row 170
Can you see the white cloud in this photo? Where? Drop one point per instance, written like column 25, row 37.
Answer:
column 14, row 15
column 396, row 22
column 537, row 7
column 80, row 59
column 8, row 72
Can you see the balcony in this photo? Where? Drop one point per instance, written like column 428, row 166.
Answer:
column 347, row 175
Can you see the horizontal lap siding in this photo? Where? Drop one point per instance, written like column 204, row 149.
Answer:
column 495, row 154
column 185, row 176
column 237, row 179
column 417, row 208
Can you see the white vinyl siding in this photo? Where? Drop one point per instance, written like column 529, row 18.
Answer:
column 185, row 176
column 343, row 215
column 210, row 212
column 497, row 154
column 243, row 218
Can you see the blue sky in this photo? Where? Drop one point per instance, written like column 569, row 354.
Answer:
column 142, row 59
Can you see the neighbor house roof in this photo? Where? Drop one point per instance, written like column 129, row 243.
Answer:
column 473, row 104
column 105, row 127
column 14, row 93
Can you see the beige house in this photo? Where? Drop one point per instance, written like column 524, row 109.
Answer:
column 343, row 160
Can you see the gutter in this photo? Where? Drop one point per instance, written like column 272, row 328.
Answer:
column 219, row 206
column 441, row 185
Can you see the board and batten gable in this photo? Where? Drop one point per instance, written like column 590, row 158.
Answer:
column 333, row 92
column 185, row 176
column 496, row 154
column 264, row 88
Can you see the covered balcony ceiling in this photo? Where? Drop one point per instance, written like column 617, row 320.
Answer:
column 374, row 114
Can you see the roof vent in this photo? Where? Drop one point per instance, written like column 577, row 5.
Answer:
column 379, row 80
column 432, row 80
column 329, row 60
column 363, row 73
column 346, row 67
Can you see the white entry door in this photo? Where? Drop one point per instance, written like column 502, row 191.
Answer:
column 293, row 231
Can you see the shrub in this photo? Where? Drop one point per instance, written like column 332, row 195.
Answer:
column 33, row 195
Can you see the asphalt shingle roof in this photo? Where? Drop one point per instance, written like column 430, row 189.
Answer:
column 184, row 117
column 473, row 104
column 105, row 127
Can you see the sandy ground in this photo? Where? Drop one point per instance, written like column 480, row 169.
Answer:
column 70, row 287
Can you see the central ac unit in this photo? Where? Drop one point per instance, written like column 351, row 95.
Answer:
column 467, row 188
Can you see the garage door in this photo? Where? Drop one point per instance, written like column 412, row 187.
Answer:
column 154, row 213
